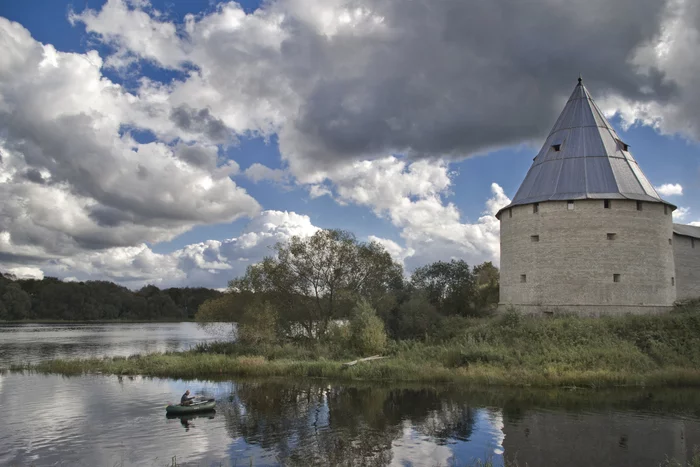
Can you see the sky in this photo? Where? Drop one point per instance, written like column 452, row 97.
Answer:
column 173, row 143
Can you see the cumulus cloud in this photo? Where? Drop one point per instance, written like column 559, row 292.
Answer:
column 342, row 85
column 72, row 178
column 397, row 252
column 681, row 213
column 670, row 189
column 210, row 263
column 412, row 195
column 258, row 172
column 340, row 81
column 24, row 272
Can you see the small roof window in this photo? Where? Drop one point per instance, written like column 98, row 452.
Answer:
column 556, row 147
column 623, row 146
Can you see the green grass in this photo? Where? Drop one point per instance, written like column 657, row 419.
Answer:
column 512, row 350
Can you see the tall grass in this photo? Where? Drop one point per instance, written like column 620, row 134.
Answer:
column 509, row 349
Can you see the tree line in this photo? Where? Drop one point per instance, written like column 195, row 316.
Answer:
column 311, row 284
column 53, row 299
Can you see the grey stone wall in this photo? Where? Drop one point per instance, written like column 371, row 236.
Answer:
column 686, row 253
column 572, row 266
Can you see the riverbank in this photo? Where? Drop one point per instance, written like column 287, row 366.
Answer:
column 509, row 350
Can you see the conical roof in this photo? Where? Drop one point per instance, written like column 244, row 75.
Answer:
column 584, row 158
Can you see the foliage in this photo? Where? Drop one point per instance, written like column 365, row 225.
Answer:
column 16, row 303
column 52, row 299
column 417, row 317
column 258, row 325
column 487, row 294
column 687, row 305
column 367, row 330
column 316, row 279
column 450, row 287
column 559, row 351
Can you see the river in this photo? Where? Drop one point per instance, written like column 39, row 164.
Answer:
column 31, row 343
column 101, row 420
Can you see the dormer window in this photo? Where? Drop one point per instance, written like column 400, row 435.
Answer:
column 556, row 147
column 623, row 146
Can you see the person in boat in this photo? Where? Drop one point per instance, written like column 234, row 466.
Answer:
column 186, row 399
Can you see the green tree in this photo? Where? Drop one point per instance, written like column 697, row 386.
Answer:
column 17, row 304
column 417, row 317
column 316, row 279
column 258, row 325
column 487, row 287
column 367, row 332
column 450, row 287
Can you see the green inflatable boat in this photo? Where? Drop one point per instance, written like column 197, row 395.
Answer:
column 195, row 406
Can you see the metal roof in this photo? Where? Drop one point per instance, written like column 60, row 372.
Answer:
column 584, row 158
column 687, row 230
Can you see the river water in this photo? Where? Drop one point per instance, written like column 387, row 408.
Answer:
column 31, row 343
column 100, row 420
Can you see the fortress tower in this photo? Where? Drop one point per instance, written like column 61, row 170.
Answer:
column 586, row 232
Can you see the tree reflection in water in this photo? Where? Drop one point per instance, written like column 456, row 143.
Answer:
column 313, row 424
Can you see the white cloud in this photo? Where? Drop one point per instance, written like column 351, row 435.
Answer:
column 210, row 263
column 670, row 189
column 26, row 272
column 341, row 88
column 316, row 191
column 258, row 172
column 72, row 179
column 696, row 223
column 411, row 196
column 680, row 213
column 397, row 252
column 339, row 83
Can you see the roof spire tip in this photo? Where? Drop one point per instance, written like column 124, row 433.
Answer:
column 580, row 79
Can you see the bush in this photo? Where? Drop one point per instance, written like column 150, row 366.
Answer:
column 339, row 339
column 688, row 305
column 417, row 317
column 367, row 333
column 258, row 324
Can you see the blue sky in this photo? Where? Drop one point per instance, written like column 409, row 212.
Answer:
column 142, row 145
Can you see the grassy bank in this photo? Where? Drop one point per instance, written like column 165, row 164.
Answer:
column 660, row 350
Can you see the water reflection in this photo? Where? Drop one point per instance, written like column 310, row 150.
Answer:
column 331, row 425
column 101, row 420
column 187, row 421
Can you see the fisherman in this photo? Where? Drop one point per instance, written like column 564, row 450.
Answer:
column 186, row 399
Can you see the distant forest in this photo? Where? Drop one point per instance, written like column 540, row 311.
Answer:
column 53, row 299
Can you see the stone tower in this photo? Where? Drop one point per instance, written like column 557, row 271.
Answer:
column 586, row 232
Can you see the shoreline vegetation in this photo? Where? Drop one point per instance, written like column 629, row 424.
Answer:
column 504, row 350
column 324, row 300
column 50, row 300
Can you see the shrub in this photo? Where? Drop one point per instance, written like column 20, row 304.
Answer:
column 687, row 305
column 417, row 317
column 258, row 324
column 367, row 333
column 338, row 338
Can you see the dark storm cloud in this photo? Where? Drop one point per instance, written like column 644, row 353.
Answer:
column 105, row 216
column 455, row 77
column 200, row 121
column 33, row 175
column 197, row 156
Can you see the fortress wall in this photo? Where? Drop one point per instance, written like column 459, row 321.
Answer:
column 571, row 268
column 686, row 254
